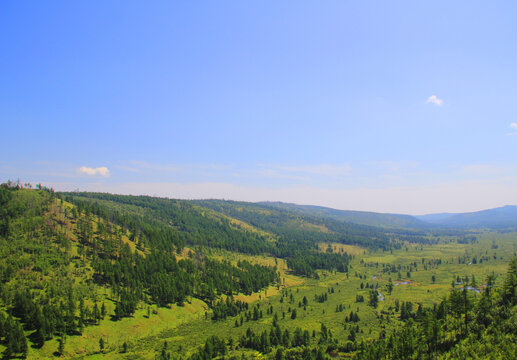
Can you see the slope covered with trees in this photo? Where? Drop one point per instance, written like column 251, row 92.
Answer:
column 72, row 262
column 171, row 224
column 55, row 255
column 291, row 222
column 356, row 217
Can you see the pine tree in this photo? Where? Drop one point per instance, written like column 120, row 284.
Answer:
column 293, row 314
column 61, row 345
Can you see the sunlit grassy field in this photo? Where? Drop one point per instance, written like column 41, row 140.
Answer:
column 186, row 328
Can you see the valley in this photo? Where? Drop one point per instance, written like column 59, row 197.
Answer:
column 195, row 280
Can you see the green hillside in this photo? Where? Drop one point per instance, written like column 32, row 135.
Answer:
column 61, row 265
column 292, row 222
column 94, row 276
column 356, row 217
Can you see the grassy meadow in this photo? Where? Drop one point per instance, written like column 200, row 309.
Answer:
column 185, row 328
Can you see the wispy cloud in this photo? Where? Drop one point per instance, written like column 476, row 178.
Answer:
column 303, row 172
column 200, row 171
column 130, row 169
column 136, row 166
column 480, row 169
column 401, row 166
column 513, row 126
column 99, row 171
column 275, row 174
column 319, row 169
column 433, row 99
column 139, row 165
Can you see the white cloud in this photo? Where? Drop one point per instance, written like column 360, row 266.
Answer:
column 100, row 171
column 433, row 99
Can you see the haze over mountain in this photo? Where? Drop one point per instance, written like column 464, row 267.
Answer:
column 358, row 217
column 501, row 217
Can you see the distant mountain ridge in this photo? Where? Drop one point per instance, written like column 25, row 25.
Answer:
column 435, row 218
column 500, row 217
column 504, row 217
column 358, row 217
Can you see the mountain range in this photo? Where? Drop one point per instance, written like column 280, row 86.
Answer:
column 496, row 218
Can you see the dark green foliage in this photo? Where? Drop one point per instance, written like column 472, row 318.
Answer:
column 509, row 291
column 321, row 298
column 61, row 346
column 293, row 314
column 37, row 232
column 15, row 341
column 353, row 317
column 304, row 263
column 168, row 224
column 406, row 310
column 286, row 224
column 459, row 327
column 373, row 297
column 214, row 347
column 224, row 309
column 126, row 306
column 265, row 341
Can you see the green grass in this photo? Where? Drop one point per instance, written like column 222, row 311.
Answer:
column 129, row 330
column 185, row 328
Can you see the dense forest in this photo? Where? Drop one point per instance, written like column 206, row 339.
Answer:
column 289, row 221
column 171, row 224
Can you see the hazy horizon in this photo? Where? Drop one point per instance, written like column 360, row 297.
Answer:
column 175, row 191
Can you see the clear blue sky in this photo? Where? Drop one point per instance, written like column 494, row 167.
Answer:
column 402, row 106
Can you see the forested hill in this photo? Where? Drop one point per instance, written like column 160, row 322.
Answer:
column 295, row 225
column 65, row 267
column 357, row 217
column 292, row 221
column 178, row 223
column 237, row 226
column 71, row 261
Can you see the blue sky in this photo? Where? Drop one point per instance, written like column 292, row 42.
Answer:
column 403, row 106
